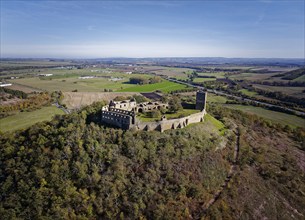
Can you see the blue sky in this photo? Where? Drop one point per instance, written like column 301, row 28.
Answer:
column 95, row 29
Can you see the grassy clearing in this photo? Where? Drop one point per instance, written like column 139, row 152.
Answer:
column 164, row 86
column 204, row 79
column 247, row 92
column 179, row 114
column 212, row 98
column 279, row 117
column 26, row 119
column 300, row 79
column 217, row 124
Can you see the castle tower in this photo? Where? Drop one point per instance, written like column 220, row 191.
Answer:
column 201, row 98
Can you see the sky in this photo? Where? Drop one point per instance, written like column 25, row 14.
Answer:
column 98, row 29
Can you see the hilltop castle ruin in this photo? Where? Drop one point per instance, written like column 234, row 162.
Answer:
column 122, row 114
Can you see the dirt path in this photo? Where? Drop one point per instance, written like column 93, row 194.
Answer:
column 231, row 173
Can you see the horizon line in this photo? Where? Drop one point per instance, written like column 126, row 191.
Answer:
column 161, row 57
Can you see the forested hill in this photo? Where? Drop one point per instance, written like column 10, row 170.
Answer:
column 71, row 168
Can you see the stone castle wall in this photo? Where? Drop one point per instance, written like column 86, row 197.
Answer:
column 170, row 124
column 123, row 115
column 118, row 118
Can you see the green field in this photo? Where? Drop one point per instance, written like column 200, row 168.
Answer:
column 212, row 98
column 300, row 79
column 289, row 90
column 216, row 74
column 181, row 113
column 26, row 119
column 165, row 86
column 247, row 92
column 279, row 117
column 69, row 82
column 217, row 124
column 203, row 79
column 252, row 76
column 178, row 73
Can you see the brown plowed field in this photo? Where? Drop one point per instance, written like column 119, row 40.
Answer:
column 75, row 100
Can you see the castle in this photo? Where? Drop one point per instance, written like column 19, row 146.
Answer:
column 122, row 114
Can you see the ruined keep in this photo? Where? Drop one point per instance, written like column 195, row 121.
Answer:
column 123, row 115
column 201, row 98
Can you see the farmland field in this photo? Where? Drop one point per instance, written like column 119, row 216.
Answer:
column 279, row 117
column 293, row 91
column 70, row 82
column 247, row 92
column 252, row 76
column 78, row 99
column 180, row 73
column 26, row 119
column 211, row 98
column 14, row 64
column 216, row 74
column 204, row 79
column 300, row 79
column 24, row 88
column 164, row 86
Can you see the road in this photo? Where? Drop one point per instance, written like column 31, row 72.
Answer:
column 61, row 107
column 217, row 92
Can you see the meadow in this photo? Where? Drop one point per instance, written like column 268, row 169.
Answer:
column 26, row 119
column 212, row 98
column 300, row 79
column 217, row 124
column 216, row 74
column 293, row 91
column 252, row 76
column 165, row 86
column 68, row 82
column 179, row 73
column 273, row 116
column 178, row 114
column 36, row 63
column 197, row 80
column 248, row 93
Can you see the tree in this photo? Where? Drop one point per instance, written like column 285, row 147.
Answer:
column 174, row 104
column 155, row 114
column 138, row 80
column 140, row 98
column 155, row 79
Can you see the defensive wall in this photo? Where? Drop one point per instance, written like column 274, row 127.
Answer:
column 118, row 117
column 167, row 124
column 123, row 115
